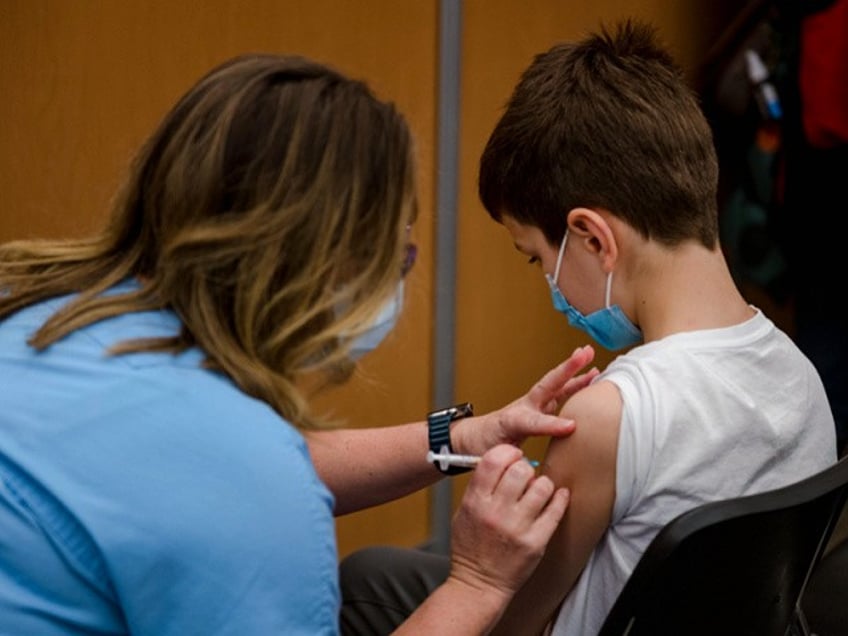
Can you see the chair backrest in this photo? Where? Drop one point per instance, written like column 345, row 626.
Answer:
column 736, row 566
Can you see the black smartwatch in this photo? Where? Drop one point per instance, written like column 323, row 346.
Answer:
column 438, row 427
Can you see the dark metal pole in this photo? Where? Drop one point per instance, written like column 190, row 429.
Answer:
column 450, row 22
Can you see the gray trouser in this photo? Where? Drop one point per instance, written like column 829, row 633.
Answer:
column 382, row 586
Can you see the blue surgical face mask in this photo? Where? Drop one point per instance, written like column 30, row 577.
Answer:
column 608, row 326
column 380, row 328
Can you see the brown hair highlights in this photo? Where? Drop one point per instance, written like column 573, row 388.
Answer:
column 269, row 211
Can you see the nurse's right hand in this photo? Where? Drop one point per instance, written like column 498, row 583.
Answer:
column 504, row 523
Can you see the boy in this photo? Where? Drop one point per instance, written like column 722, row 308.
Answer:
column 603, row 171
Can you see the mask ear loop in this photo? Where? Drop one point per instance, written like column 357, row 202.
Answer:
column 608, row 291
column 559, row 258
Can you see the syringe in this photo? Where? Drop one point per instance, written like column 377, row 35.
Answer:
column 446, row 459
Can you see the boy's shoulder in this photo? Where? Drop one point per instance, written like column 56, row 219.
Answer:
column 597, row 411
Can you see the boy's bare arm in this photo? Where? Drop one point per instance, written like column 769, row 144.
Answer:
column 584, row 463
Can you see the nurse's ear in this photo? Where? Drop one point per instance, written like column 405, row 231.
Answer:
column 593, row 232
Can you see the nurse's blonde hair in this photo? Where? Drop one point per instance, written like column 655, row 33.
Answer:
column 269, row 211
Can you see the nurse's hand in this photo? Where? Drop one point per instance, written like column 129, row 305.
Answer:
column 535, row 413
column 500, row 531
column 504, row 523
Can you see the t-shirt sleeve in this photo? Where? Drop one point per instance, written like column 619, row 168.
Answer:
column 635, row 442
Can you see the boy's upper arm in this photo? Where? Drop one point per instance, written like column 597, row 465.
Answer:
column 584, row 462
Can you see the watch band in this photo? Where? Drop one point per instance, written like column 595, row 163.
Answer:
column 438, row 433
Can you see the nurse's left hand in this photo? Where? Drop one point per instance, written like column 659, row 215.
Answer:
column 535, row 413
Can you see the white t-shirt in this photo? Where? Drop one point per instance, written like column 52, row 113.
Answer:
column 706, row 415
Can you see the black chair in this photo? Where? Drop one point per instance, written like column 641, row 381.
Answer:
column 733, row 567
column 825, row 601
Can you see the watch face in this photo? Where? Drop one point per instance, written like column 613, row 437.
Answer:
column 455, row 412
column 463, row 410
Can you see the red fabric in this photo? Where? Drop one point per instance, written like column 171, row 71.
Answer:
column 823, row 76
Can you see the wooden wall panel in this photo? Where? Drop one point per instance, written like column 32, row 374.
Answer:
column 84, row 82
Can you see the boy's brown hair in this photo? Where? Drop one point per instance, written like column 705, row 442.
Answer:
column 608, row 122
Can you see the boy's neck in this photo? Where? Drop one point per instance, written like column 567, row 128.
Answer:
column 688, row 288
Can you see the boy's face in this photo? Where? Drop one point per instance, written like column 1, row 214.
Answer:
column 581, row 281
column 530, row 241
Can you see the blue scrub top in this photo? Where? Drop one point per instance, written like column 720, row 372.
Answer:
column 144, row 494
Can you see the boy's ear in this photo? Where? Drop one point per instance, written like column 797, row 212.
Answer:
column 595, row 234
